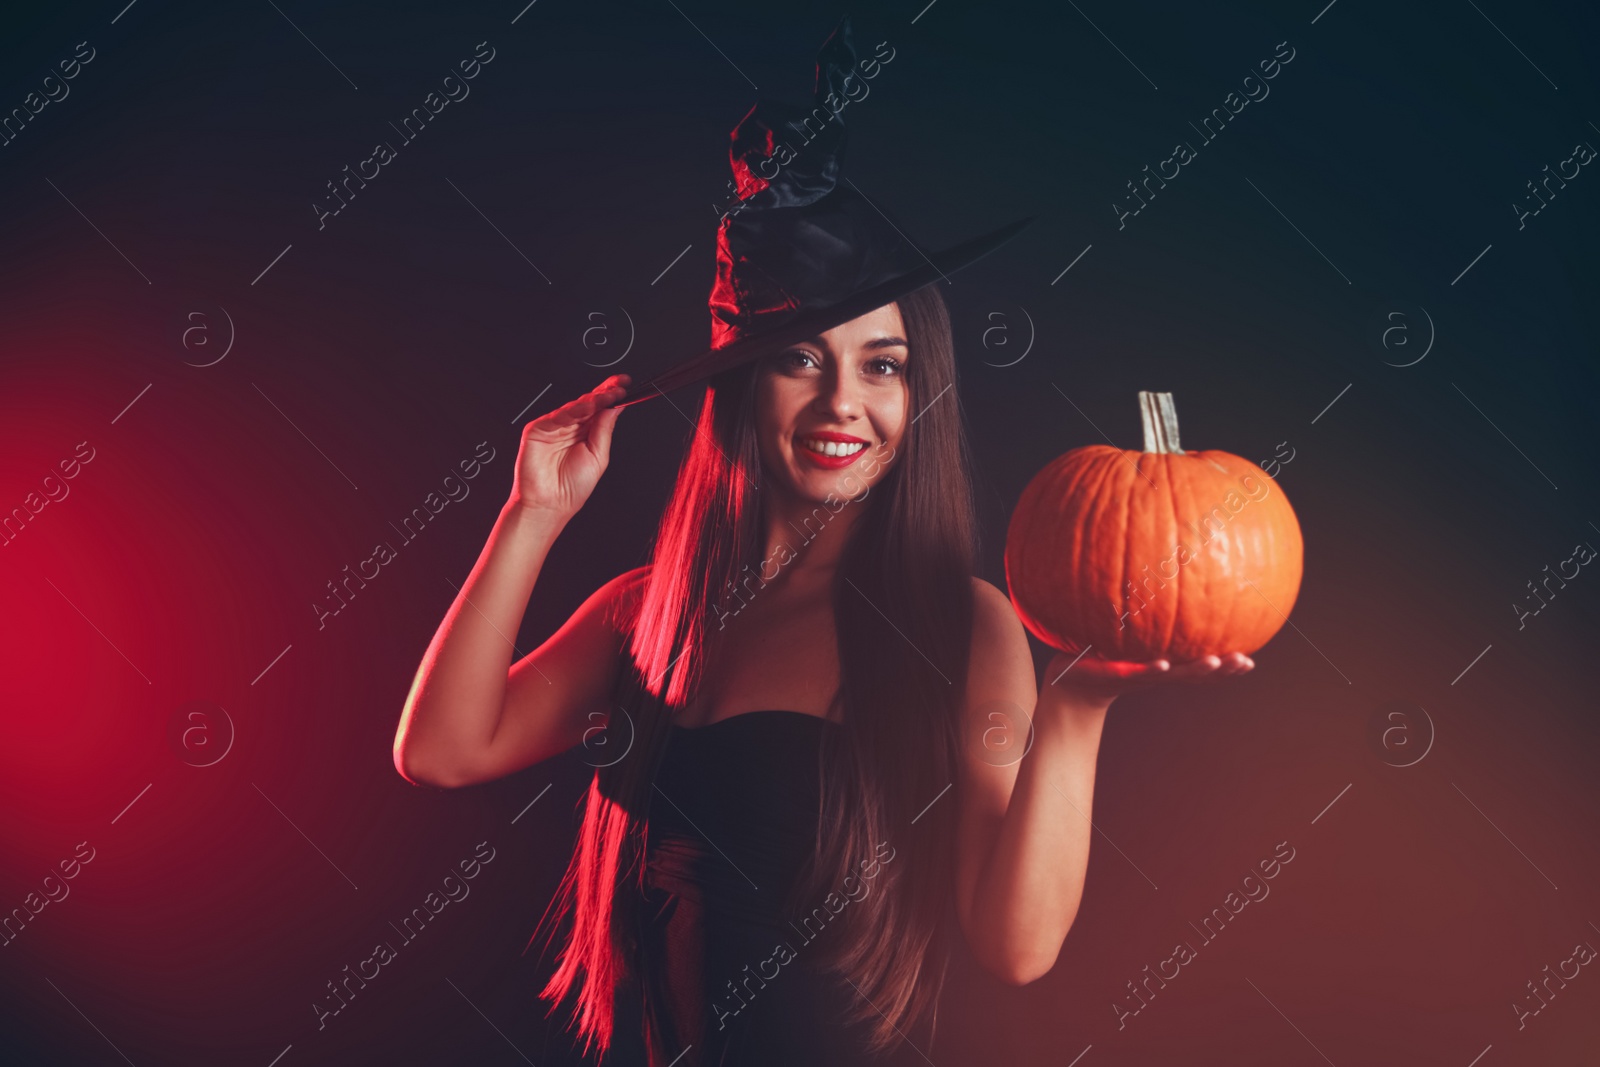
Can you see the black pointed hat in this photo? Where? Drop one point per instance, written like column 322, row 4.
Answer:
column 800, row 250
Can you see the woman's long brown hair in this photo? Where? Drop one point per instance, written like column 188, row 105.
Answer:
column 902, row 601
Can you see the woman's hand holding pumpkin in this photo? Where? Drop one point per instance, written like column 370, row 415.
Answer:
column 1088, row 678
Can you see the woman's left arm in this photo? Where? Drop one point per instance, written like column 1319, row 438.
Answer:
column 1024, row 821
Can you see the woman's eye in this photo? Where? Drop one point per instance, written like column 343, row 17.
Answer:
column 798, row 359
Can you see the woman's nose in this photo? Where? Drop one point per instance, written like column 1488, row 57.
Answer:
column 838, row 394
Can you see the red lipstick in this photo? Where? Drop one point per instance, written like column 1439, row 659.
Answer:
column 828, row 462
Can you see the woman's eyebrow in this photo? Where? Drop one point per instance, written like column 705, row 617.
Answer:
column 874, row 344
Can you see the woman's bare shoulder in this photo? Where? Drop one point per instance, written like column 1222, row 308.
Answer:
column 1002, row 662
column 990, row 604
column 623, row 595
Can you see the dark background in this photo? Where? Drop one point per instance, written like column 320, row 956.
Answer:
column 379, row 351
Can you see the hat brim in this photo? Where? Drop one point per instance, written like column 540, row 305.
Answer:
column 810, row 323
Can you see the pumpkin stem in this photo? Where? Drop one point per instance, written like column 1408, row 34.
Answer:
column 1160, row 422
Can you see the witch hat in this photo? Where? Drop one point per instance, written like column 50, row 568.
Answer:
column 800, row 250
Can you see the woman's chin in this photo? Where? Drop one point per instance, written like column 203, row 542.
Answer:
column 809, row 484
column 830, row 487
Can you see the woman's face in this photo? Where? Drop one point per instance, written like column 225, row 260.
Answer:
column 846, row 387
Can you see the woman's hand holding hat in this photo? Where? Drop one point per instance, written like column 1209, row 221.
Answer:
column 564, row 452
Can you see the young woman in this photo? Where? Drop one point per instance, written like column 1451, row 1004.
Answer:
column 825, row 750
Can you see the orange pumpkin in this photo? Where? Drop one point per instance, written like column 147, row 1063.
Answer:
column 1159, row 553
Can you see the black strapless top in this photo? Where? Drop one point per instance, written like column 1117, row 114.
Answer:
column 724, row 972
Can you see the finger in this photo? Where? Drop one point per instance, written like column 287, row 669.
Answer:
column 1204, row 667
column 610, row 397
column 1119, row 670
column 599, row 439
column 1235, row 663
column 615, row 383
column 577, row 411
column 569, row 414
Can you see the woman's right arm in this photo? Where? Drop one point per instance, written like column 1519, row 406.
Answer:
column 472, row 716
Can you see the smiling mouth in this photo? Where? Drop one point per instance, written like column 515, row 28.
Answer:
column 837, row 449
